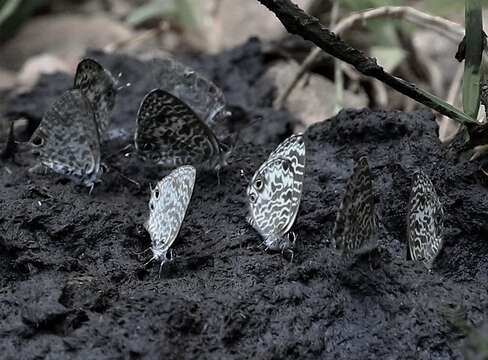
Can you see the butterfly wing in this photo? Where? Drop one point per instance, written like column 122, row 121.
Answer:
column 275, row 191
column 67, row 139
column 99, row 87
column 168, row 204
column 425, row 220
column 171, row 134
column 201, row 95
column 293, row 149
column 355, row 223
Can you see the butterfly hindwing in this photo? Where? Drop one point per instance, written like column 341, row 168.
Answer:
column 171, row 134
column 167, row 209
column 356, row 223
column 275, row 191
column 201, row 95
column 100, row 88
column 67, row 138
column 425, row 221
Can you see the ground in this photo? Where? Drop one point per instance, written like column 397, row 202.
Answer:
column 74, row 285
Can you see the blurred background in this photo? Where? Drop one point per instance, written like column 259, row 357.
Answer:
column 416, row 42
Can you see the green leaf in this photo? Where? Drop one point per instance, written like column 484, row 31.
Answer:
column 13, row 13
column 154, row 10
column 474, row 52
column 388, row 57
column 189, row 14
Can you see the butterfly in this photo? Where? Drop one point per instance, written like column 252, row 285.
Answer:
column 167, row 208
column 275, row 191
column 356, row 222
column 425, row 222
column 67, row 139
column 171, row 134
column 200, row 94
column 100, row 88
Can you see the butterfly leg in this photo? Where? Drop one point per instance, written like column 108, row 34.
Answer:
column 142, row 252
column 294, row 238
column 288, row 251
column 149, row 261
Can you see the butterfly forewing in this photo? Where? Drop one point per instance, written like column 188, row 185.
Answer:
column 199, row 93
column 67, row 139
column 275, row 191
column 167, row 209
column 171, row 134
column 99, row 87
column 425, row 221
column 356, row 224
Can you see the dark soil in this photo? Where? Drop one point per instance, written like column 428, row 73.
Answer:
column 73, row 282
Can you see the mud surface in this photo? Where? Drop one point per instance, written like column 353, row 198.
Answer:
column 72, row 277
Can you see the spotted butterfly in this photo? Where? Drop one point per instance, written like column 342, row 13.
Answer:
column 356, row 222
column 67, row 139
column 171, row 134
column 100, row 88
column 275, row 191
column 167, row 209
column 192, row 88
column 425, row 223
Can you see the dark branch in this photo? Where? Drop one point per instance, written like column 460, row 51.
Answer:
column 296, row 21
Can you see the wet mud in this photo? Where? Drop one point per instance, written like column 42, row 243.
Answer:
column 73, row 282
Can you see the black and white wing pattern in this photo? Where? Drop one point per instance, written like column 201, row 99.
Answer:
column 356, row 222
column 425, row 221
column 275, row 191
column 167, row 209
column 67, row 139
column 100, row 88
column 170, row 134
column 199, row 93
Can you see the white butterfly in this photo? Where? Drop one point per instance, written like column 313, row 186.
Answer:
column 275, row 191
column 167, row 209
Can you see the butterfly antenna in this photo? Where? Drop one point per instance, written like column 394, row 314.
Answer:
column 244, row 175
column 126, row 85
column 132, row 181
column 125, row 148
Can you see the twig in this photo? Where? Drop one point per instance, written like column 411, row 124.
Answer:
column 444, row 122
column 449, row 29
column 138, row 38
column 298, row 22
column 280, row 101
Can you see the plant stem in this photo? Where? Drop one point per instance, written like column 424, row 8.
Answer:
column 473, row 56
column 296, row 21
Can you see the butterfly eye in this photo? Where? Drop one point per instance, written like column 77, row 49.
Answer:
column 258, row 184
column 151, row 206
column 38, row 141
column 156, row 194
column 252, row 198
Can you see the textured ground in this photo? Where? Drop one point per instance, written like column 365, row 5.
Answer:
column 73, row 284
